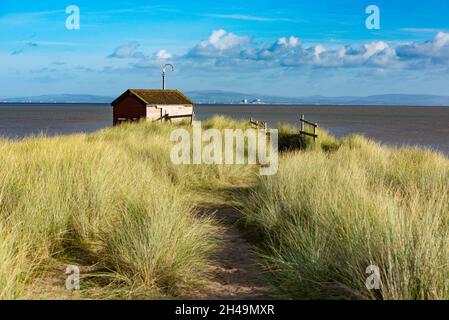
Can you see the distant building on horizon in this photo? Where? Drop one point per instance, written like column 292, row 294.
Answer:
column 137, row 104
column 257, row 101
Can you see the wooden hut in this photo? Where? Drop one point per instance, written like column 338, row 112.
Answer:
column 137, row 104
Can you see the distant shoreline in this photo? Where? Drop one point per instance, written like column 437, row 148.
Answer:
column 205, row 97
column 53, row 103
column 244, row 105
column 322, row 105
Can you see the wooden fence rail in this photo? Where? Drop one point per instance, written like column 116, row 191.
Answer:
column 168, row 117
column 179, row 116
column 303, row 131
column 164, row 117
column 302, row 123
column 259, row 124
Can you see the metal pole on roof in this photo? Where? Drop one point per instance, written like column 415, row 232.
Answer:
column 163, row 73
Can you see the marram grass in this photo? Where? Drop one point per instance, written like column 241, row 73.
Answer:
column 112, row 201
column 326, row 216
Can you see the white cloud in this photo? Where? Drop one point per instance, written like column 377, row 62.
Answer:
column 219, row 43
column 288, row 43
column 153, row 61
column 163, row 55
column 282, row 48
column 441, row 39
column 373, row 48
column 226, row 49
column 379, row 54
column 124, row 51
column 433, row 52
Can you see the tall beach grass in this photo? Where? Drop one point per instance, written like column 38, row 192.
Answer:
column 328, row 215
column 112, row 199
column 114, row 203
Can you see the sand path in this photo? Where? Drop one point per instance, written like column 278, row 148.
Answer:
column 236, row 273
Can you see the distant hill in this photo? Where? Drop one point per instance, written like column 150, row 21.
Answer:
column 61, row 98
column 387, row 99
column 226, row 97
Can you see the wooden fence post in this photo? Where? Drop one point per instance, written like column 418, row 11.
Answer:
column 302, row 123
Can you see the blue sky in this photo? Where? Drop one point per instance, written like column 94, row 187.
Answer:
column 289, row 48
